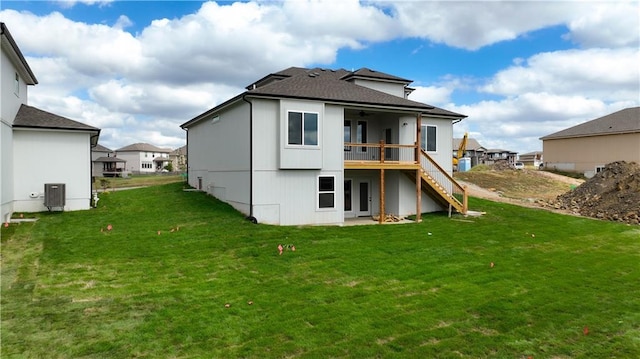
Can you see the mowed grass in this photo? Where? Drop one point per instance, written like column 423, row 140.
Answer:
column 182, row 275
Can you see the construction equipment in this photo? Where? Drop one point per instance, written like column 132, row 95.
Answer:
column 461, row 150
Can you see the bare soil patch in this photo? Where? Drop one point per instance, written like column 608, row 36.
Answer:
column 508, row 185
column 613, row 194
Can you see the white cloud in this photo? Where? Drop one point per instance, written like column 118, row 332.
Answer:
column 123, row 22
column 605, row 73
column 516, row 123
column 607, row 24
column 71, row 3
column 432, row 95
column 474, row 24
column 146, row 84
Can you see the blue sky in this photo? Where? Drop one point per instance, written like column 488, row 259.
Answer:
column 519, row 70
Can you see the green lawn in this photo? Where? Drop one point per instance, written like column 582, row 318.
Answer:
column 181, row 275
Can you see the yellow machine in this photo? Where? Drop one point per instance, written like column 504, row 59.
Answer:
column 461, row 150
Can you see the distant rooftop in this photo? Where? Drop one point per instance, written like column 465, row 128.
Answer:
column 623, row 121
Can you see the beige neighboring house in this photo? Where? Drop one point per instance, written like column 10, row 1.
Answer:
column 588, row 147
column 144, row 158
column 178, row 159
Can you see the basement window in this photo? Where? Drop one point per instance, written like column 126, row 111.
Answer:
column 326, row 192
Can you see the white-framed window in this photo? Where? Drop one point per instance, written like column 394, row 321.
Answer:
column 599, row 169
column 429, row 138
column 302, row 128
column 326, row 192
column 16, row 85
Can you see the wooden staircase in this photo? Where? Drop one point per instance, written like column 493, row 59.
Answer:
column 439, row 185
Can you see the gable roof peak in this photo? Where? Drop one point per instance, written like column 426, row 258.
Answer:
column 15, row 55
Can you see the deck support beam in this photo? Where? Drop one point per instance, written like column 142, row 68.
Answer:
column 418, row 171
column 418, row 196
column 382, row 214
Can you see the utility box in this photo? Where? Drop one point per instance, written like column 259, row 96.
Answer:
column 54, row 195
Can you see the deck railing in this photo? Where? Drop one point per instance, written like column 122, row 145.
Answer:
column 379, row 152
column 433, row 169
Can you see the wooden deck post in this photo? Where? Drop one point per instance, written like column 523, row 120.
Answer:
column 382, row 214
column 418, row 171
column 418, row 195
column 381, row 151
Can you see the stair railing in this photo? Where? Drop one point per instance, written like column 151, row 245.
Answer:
column 457, row 192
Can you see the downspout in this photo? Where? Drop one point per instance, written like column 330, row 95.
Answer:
column 250, row 218
column 92, row 145
column 186, row 154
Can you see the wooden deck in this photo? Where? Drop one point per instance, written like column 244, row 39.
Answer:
column 430, row 177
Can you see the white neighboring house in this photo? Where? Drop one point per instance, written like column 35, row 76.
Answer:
column 38, row 147
column 144, row 158
column 317, row 146
column 106, row 164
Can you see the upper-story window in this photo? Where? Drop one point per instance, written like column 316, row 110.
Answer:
column 428, row 139
column 302, row 128
column 16, row 85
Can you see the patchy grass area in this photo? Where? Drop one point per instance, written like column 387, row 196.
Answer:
column 137, row 181
column 182, row 275
column 516, row 184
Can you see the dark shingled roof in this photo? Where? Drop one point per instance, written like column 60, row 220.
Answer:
column 101, row 148
column 372, row 74
column 472, row 144
column 332, row 86
column 623, row 121
column 142, row 147
column 109, row 159
column 31, row 117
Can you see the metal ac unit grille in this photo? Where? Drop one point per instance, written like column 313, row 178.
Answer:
column 54, row 195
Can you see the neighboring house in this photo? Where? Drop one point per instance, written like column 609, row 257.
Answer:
column 532, row 159
column 144, row 158
column 37, row 147
column 497, row 155
column 588, row 147
column 473, row 150
column 317, row 146
column 106, row 164
column 178, row 159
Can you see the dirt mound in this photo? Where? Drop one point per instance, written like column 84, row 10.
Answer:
column 501, row 165
column 612, row 194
